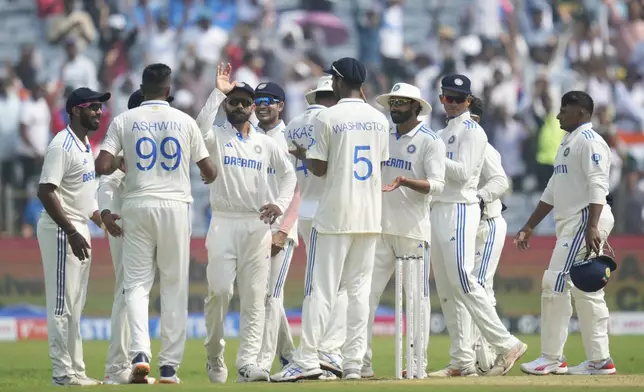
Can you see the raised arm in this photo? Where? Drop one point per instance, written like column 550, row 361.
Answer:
column 469, row 156
column 208, row 113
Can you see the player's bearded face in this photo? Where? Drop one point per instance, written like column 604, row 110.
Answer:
column 400, row 110
column 238, row 109
column 90, row 117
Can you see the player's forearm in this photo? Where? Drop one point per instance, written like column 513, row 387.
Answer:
column 594, row 212
column 494, row 189
column 208, row 113
column 106, row 163
column 287, row 185
column 418, row 185
column 542, row 210
column 96, row 218
column 290, row 216
column 51, row 204
column 315, row 166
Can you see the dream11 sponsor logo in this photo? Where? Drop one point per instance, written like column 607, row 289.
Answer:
column 32, row 329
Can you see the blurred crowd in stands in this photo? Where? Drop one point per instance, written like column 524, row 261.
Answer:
column 521, row 56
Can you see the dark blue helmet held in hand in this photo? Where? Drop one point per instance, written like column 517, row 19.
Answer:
column 592, row 274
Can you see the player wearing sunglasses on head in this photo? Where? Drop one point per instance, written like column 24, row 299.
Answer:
column 455, row 216
column 67, row 191
column 243, row 208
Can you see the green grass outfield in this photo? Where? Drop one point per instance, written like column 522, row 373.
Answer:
column 25, row 366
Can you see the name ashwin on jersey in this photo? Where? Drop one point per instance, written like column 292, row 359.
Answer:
column 397, row 163
column 359, row 126
column 156, row 126
column 242, row 162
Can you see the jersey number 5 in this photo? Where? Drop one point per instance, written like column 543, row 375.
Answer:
column 357, row 159
column 172, row 155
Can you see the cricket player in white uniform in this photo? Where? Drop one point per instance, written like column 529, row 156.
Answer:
column 269, row 103
column 577, row 193
column 299, row 132
column 67, row 191
column 158, row 144
column 414, row 173
column 239, row 237
column 110, row 189
column 490, row 236
column 351, row 142
column 455, row 216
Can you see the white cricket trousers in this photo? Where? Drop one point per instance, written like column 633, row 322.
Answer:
column 335, row 332
column 556, row 307
column 65, row 292
column 463, row 299
column 118, row 350
column 490, row 239
column 239, row 248
column 336, row 260
column 388, row 247
column 277, row 333
column 156, row 234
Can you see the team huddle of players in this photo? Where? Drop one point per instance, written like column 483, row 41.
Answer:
column 358, row 191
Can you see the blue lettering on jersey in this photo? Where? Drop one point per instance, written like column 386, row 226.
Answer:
column 242, row 162
column 561, row 169
column 271, row 171
column 359, row 126
column 398, row 163
column 87, row 177
column 300, row 132
column 156, row 126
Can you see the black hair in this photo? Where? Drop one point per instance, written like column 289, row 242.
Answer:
column 325, row 95
column 476, row 106
column 156, row 78
column 578, row 98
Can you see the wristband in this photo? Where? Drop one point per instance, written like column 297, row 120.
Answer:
column 105, row 212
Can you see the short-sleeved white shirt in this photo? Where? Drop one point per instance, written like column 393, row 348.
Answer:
column 158, row 143
column 419, row 154
column 69, row 165
column 300, row 131
column 353, row 137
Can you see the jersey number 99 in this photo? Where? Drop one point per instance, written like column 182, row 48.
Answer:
column 173, row 159
column 362, row 161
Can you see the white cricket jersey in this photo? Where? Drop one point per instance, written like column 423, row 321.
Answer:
column 158, row 143
column 465, row 143
column 416, row 155
column 493, row 183
column 353, row 137
column 580, row 175
column 69, row 165
column 300, row 131
column 277, row 133
column 110, row 191
column 242, row 184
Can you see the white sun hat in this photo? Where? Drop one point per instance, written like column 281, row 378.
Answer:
column 404, row 90
column 325, row 83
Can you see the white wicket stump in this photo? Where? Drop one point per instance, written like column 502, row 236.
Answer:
column 410, row 269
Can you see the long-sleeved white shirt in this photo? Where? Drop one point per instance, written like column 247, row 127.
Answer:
column 493, row 183
column 242, row 185
column 110, row 189
column 415, row 155
column 465, row 143
column 580, row 175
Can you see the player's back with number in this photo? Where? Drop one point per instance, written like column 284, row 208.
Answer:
column 352, row 137
column 158, row 143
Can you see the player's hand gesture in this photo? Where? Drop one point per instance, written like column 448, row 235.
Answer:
column 109, row 220
column 398, row 181
column 79, row 245
column 299, row 152
column 523, row 237
column 269, row 213
column 593, row 241
column 223, row 82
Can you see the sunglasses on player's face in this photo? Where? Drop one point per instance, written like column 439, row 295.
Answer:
column 94, row 106
column 454, row 99
column 393, row 102
column 266, row 101
column 240, row 101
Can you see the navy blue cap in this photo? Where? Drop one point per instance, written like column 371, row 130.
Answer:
column 270, row 89
column 84, row 95
column 241, row 86
column 137, row 98
column 592, row 274
column 349, row 69
column 457, row 83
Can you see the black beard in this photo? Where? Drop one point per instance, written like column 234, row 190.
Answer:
column 236, row 118
column 401, row 117
column 86, row 122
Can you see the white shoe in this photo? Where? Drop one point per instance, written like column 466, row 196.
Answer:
column 454, row 372
column 367, row 372
column 330, row 362
column 88, row 381
column 327, row 376
column 293, row 372
column 351, row 374
column 65, row 381
column 252, row 373
column 595, row 368
column 118, row 377
column 544, row 365
column 505, row 362
column 217, row 370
